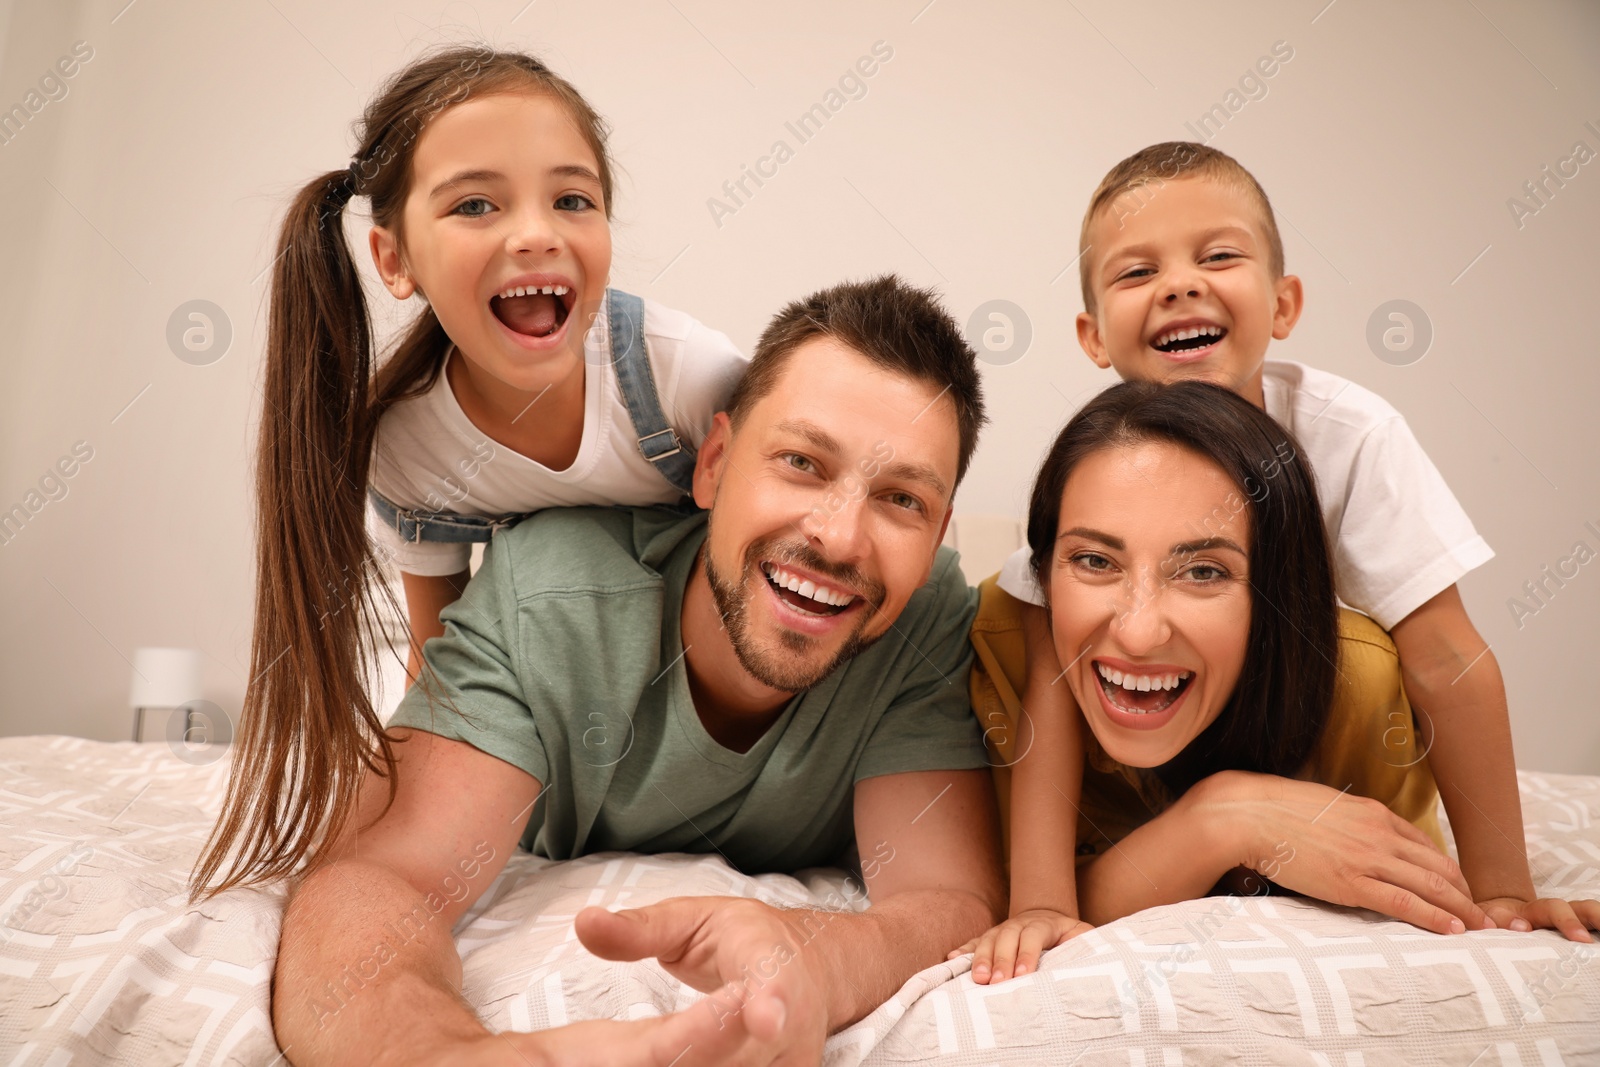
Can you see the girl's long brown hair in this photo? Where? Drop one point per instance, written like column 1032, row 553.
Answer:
column 308, row 730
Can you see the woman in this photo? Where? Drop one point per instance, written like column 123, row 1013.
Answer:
column 1241, row 728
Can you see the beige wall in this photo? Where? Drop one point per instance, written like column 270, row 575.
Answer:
column 1390, row 142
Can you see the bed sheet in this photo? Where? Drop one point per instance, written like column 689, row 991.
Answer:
column 103, row 962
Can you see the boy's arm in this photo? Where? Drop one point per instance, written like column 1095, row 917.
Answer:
column 1451, row 675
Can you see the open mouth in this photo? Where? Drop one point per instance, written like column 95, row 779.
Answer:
column 805, row 595
column 1142, row 694
column 533, row 311
column 1189, row 339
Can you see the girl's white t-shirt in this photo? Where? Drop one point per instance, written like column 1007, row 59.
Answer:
column 1398, row 535
column 429, row 456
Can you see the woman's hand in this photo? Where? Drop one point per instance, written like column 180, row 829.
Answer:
column 1573, row 918
column 1344, row 849
column 1012, row 949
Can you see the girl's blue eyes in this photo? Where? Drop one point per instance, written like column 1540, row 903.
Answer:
column 478, row 207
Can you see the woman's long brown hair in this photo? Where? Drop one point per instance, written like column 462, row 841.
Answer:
column 308, row 731
column 1280, row 705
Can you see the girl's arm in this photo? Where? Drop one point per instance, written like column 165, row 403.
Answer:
column 1452, row 676
column 1309, row 838
column 1046, row 780
column 426, row 596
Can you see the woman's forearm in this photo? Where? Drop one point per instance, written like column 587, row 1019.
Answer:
column 1178, row 855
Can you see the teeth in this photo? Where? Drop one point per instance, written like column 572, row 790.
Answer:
column 806, row 588
column 1187, row 334
column 1141, row 683
column 532, row 290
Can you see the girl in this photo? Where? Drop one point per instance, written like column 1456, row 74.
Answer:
column 1240, row 726
column 522, row 384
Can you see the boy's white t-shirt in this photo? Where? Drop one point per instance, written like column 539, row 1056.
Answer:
column 1398, row 535
column 429, row 456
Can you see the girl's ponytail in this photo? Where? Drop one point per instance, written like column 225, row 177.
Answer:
column 308, row 731
column 308, row 725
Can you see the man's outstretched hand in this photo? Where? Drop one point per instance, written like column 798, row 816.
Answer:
column 767, row 1001
column 707, row 1033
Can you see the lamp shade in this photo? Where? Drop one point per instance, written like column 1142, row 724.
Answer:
column 164, row 677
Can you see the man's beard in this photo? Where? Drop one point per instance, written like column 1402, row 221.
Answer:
column 787, row 669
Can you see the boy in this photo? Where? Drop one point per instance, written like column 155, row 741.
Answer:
column 1182, row 274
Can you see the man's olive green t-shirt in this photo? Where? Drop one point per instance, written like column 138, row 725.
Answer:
column 564, row 658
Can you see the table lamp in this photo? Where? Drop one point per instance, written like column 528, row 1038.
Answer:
column 162, row 678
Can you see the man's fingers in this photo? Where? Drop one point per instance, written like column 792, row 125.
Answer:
column 724, row 1028
column 765, row 1015
column 664, row 930
column 614, row 935
column 710, row 1032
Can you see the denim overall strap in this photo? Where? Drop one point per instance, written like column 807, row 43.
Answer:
column 659, row 443
column 415, row 524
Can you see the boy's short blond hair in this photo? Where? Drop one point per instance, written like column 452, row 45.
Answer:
column 1164, row 162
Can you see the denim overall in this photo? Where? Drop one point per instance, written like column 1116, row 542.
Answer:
column 671, row 456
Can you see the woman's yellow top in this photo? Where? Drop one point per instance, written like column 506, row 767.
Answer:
column 1370, row 744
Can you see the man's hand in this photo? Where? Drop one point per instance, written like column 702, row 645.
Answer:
column 790, row 977
column 752, row 959
column 706, row 1035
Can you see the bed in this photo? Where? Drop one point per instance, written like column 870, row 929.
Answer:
column 102, row 962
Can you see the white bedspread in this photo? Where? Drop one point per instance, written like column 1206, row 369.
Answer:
column 102, row 962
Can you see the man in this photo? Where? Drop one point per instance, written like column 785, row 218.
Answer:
column 760, row 681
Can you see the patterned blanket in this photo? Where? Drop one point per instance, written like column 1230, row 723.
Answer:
column 102, row 962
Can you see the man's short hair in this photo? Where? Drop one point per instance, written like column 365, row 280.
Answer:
column 1165, row 162
column 895, row 325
